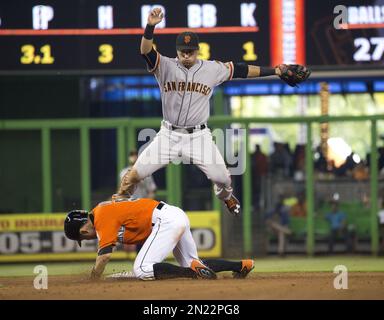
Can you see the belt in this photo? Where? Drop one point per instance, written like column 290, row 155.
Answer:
column 187, row 129
column 160, row 205
column 190, row 129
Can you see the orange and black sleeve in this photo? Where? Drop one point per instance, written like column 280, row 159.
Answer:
column 152, row 59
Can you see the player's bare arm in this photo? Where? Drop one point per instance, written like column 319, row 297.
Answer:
column 101, row 262
column 256, row 71
column 154, row 18
column 88, row 232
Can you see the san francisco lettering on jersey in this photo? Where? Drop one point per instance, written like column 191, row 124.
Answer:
column 187, row 86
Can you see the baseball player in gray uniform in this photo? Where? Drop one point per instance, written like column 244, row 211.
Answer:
column 186, row 84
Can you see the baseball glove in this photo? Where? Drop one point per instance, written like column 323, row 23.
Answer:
column 293, row 74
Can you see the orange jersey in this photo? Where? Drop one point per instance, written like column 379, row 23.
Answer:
column 134, row 217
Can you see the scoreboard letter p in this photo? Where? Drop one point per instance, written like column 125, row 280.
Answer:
column 41, row 15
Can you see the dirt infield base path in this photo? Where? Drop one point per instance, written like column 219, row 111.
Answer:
column 309, row 285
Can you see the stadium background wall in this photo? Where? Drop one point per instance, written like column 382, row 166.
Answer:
column 126, row 141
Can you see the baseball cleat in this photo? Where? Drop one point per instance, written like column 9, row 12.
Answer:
column 202, row 271
column 233, row 205
column 246, row 267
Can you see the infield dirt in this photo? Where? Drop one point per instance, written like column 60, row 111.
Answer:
column 292, row 285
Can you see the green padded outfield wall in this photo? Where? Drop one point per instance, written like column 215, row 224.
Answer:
column 20, row 151
column 40, row 97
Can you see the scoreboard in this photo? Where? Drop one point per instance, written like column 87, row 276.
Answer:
column 104, row 36
column 345, row 33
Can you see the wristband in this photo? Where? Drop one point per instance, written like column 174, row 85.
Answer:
column 148, row 33
column 240, row 70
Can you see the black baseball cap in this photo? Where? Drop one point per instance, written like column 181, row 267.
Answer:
column 187, row 41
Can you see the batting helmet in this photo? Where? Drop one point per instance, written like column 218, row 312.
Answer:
column 73, row 222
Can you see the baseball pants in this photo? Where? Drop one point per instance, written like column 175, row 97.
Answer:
column 195, row 148
column 170, row 233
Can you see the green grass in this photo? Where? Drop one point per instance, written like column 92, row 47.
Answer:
column 320, row 264
column 61, row 268
column 262, row 265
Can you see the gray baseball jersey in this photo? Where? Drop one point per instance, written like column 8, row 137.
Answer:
column 185, row 93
